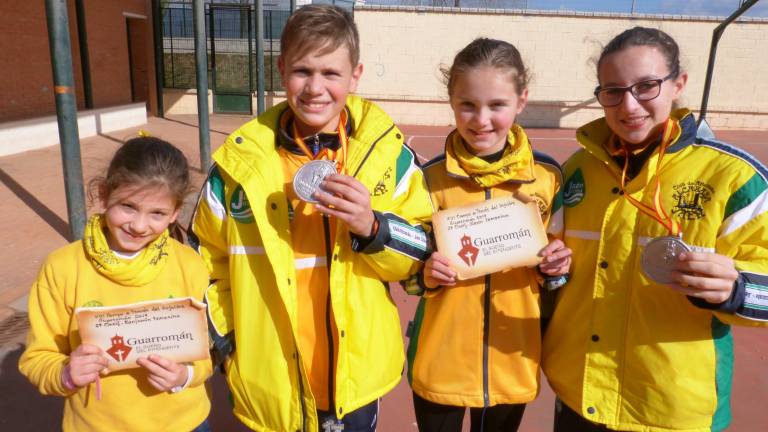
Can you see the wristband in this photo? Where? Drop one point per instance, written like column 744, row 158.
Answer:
column 190, row 372
column 552, row 283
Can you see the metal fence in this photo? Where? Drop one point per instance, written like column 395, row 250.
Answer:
column 231, row 47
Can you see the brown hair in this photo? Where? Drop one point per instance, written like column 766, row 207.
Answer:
column 644, row 36
column 488, row 52
column 320, row 27
column 146, row 161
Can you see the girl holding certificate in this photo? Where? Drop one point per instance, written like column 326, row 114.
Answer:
column 670, row 247
column 476, row 342
column 126, row 256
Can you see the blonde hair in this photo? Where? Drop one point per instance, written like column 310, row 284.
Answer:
column 320, row 27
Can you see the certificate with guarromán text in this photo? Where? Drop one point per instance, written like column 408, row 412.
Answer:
column 490, row 236
column 173, row 328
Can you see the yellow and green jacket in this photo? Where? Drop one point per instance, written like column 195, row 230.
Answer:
column 621, row 350
column 241, row 228
column 478, row 343
column 69, row 279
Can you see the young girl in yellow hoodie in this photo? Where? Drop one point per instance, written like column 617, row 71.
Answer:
column 126, row 256
column 476, row 343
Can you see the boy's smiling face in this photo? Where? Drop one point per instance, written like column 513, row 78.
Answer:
column 316, row 85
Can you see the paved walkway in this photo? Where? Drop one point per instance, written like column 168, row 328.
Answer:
column 34, row 222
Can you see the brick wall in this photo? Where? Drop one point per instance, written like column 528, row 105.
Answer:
column 27, row 80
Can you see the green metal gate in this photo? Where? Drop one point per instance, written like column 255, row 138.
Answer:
column 231, row 34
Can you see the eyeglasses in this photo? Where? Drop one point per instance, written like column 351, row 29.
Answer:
column 641, row 91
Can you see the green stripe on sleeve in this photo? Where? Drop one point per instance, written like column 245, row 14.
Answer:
column 745, row 195
column 217, row 183
column 404, row 161
column 557, row 202
column 414, row 337
column 723, row 340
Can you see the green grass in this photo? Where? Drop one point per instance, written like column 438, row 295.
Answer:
column 231, row 72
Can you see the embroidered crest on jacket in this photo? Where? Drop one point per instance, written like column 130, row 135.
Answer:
column 381, row 186
column 689, row 198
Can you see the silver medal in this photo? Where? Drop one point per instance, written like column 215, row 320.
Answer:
column 308, row 178
column 659, row 258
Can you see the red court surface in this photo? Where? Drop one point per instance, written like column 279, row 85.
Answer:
column 33, row 223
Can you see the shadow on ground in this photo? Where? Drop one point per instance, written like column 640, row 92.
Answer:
column 24, row 409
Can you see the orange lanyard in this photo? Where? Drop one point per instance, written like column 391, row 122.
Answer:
column 656, row 212
column 339, row 156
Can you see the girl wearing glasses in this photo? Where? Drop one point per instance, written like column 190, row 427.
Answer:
column 670, row 248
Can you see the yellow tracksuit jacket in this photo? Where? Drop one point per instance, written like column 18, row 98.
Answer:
column 628, row 353
column 478, row 343
column 241, row 228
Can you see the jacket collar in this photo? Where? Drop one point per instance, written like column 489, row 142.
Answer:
column 316, row 143
column 592, row 135
column 252, row 148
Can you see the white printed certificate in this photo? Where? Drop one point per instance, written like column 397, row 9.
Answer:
column 174, row 328
column 490, row 236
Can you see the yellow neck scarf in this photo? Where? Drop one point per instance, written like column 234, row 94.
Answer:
column 515, row 164
column 138, row 271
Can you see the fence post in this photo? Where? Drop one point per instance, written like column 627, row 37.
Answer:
column 201, row 68
column 260, row 56
column 157, row 38
column 66, row 113
column 85, row 63
column 716, row 34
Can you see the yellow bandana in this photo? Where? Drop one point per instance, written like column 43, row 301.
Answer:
column 515, row 165
column 138, row 271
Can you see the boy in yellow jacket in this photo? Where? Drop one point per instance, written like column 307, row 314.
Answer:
column 299, row 306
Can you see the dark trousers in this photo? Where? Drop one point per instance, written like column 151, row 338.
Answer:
column 205, row 426
column 433, row 417
column 363, row 419
column 568, row 420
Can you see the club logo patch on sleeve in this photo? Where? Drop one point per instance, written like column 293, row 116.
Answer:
column 239, row 207
column 574, row 189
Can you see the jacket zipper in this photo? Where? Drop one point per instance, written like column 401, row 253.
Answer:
column 486, row 326
column 301, row 396
column 328, row 327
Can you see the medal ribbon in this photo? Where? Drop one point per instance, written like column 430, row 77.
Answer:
column 657, row 212
column 339, row 156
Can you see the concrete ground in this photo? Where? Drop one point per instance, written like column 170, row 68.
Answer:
column 34, row 222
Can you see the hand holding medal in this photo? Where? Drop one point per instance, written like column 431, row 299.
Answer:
column 708, row 276
column 668, row 260
column 322, row 182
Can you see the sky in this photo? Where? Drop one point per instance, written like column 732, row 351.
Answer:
column 672, row 7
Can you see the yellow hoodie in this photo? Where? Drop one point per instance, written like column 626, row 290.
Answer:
column 68, row 280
